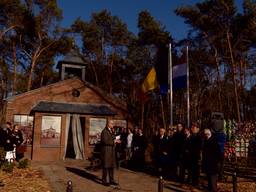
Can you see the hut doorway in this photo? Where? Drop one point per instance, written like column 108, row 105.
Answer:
column 74, row 141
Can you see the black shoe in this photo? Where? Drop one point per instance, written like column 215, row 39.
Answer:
column 113, row 183
column 105, row 184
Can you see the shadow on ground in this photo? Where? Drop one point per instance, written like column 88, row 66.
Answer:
column 84, row 174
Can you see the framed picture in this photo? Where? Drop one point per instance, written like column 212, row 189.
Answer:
column 50, row 131
column 96, row 126
column 25, row 123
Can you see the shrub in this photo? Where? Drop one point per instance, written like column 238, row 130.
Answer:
column 2, row 156
column 2, row 153
column 7, row 167
column 23, row 164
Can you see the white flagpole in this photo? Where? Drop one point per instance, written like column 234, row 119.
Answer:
column 188, row 100
column 170, row 84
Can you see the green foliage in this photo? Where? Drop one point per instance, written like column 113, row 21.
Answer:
column 23, row 163
column 32, row 39
column 2, row 154
column 151, row 31
column 7, row 167
column 118, row 60
column 105, row 44
column 225, row 36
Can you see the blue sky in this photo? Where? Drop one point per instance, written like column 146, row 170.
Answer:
column 127, row 10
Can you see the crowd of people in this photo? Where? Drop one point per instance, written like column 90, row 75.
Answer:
column 179, row 154
column 11, row 140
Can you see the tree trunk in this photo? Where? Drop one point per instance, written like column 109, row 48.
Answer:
column 33, row 63
column 42, row 79
column 220, row 108
column 242, row 85
column 3, row 88
column 95, row 74
column 233, row 67
column 35, row 55
column 242, row 73
column 14, row 85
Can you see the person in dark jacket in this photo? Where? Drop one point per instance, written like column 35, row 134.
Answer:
column 195, row 153
column 178, row 145
column 186, row 157
column 139, row 144
column 3, row 129
column 221, row 139
column 8, row 141
column 161, row 151
column 211, row 157
column 170, row 149
column 108, row 154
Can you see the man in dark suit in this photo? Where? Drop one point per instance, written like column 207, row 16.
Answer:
column 139, row 146
column 211, row 158
column 108, row 153
column 161, row 151
column 195, row 152
column 178, row 145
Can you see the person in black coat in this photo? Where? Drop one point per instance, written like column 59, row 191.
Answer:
column 7, row 138
column 2, row 135
column 178, row 145
column 186, row 157
column 139, row 144
column 195, row 153
column 161, row 151
column 170, row 148
column 211, row 157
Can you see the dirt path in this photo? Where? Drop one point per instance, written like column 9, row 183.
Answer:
column 84, row 180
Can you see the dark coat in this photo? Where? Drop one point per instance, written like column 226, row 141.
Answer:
column 178, row 145
column 108, row 153
column 211, row 156
column 161, row 148
column 196, row 146
column 139, row 144
column 2, row 137
column 7, row 140
column 186, row 153
column 18, row 138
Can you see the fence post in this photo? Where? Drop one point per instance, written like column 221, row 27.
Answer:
column 234, row 180
column 69, row 186
column 160, row 184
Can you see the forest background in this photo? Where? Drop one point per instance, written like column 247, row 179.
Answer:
column 222, row 55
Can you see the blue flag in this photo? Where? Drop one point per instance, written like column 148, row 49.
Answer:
column 179, row 76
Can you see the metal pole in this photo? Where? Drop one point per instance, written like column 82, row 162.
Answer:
column 234, row 180
column 69, row 186
column 160, row 184
column 188, row 99
column 170, row 84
